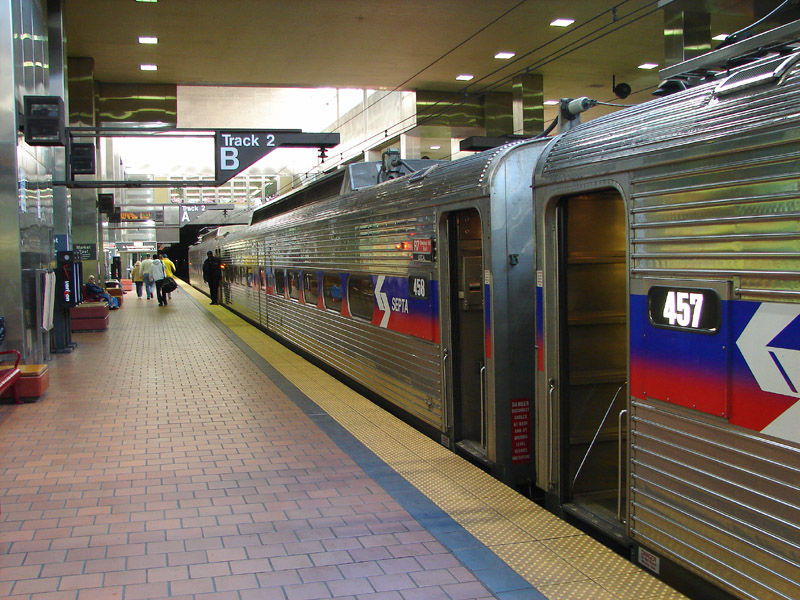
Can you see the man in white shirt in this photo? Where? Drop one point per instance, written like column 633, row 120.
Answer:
column 149, row 282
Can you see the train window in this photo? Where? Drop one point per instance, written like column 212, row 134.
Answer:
column 360, row 296
column 293, row 283
column 310, row 288
column 280, row 286
column 332, row 291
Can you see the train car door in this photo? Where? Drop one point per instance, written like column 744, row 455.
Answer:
column 592, row 354
column 465, row 331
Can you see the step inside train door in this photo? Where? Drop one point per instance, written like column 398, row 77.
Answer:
column 464, row 332
column 591, row 376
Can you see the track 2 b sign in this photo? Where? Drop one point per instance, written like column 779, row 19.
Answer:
column 236, row 150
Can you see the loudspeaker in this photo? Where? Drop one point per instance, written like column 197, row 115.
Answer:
column 43, row 120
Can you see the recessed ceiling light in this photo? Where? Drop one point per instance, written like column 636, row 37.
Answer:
column 147, row 39
column 551, row 102
column 562, row 22
column 148, row 67
column 648, row 66
column 435, row 147
column 720, row 38
column 505, row 55
column 465, row 77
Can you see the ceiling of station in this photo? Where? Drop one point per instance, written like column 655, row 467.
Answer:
column 405, row 45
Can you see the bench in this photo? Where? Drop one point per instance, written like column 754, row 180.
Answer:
column 89, row 316
column 9, row 376
column 116, row 293
column 33, row 382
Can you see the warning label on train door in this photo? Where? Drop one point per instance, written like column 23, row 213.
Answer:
column 520, row 430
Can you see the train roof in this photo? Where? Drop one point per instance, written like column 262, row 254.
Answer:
column 664, row 128
column 347, row 178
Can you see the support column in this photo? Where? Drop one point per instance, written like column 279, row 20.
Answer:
column 687, row 34
column 85, row 223
column 527, row 104
column 58, row 87
column 496, row 115
column 10, row 266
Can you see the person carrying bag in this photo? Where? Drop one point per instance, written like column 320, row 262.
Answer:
column 160, row 276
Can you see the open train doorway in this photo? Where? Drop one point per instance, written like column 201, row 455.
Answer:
column 592, row 355
column 465, row 335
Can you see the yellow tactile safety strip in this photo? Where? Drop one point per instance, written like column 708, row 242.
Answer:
column 557, row 559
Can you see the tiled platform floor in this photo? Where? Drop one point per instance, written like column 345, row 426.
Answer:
column 164, row 463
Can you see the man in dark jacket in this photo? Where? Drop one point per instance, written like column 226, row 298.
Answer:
column 212, row 273
column 95, row 291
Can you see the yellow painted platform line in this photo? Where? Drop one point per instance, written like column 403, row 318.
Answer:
column 559, row 560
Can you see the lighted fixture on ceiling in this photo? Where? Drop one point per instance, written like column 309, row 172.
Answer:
column 148, row 39
column 551, row 103
column 505, row 55
column 562, row 22
column 435, row 147
column 148, row 67
column 465, row 77
column 149, row 1
column 720, row 38
column 648, row 66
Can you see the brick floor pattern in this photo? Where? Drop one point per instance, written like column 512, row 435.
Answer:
column 162, row 463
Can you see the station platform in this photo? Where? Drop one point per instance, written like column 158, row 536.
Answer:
column 182, row 453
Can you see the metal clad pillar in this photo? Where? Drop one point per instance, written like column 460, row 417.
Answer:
column 496, row 114
column 10, row 265
column 687, row 34
column 58, row 56
column 26, row 198
column 82, row 112
column 527, row 105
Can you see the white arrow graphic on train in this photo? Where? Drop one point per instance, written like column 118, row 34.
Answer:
column 776, row 370
column 383, row 301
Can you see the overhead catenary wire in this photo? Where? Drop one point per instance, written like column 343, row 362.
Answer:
column 597, row 33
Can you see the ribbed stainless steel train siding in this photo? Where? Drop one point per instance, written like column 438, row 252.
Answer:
column 357, row 233
column 714, row 190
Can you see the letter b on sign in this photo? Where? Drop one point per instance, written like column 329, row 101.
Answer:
column 228, row 158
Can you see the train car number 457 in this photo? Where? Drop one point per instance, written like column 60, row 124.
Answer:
column 684, row 308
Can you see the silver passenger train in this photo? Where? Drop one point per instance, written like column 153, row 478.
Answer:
column 624, row 335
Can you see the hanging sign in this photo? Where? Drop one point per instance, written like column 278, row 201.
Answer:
column 236, row 149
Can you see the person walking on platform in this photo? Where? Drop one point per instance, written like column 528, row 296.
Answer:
column 212, row 273
column 147, row 277
column 136, row 275
column 169, row 269
column 159, row 275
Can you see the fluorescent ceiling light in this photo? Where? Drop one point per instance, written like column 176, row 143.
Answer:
column 148, row 67
column 648, row 66
column 551, row 102
column 720, row 38
column 562, row 22
column 435, row 147
column 465, row 77
column 150, row 1
column 147, row 39
column 505, row 55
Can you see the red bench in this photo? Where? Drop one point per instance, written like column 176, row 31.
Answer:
column 9, row 376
